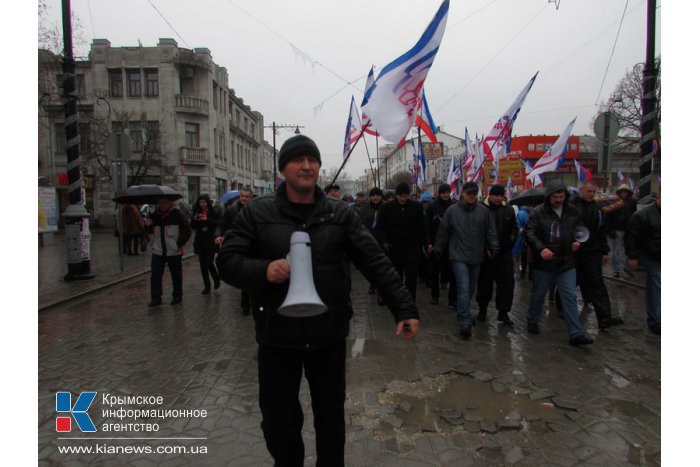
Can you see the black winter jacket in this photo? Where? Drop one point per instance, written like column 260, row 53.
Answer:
column 433, row 216
column 545, row 229
column 594, row 220
column 402, row 226
column 506, row 227
column 620, row 218
column 643, row 236
column 204, row 230
column 227, row 219
column 369, row 213
column 261, row 234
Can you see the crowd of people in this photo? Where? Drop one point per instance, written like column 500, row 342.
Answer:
column 466, row 246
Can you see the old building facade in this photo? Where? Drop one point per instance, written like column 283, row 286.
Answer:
column 188, row 129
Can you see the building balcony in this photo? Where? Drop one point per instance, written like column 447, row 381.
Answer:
column 191, row 104
column 194, row 156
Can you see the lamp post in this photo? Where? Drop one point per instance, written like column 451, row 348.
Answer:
column 275, row 127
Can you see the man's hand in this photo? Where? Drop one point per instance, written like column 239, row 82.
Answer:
column 632, row 263
column 409, row 327
column 546, row 254
column 218, row 240
column 278, row 271
column 575, row 246
column 606, row 258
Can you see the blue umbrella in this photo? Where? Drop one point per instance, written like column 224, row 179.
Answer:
column 231, row 194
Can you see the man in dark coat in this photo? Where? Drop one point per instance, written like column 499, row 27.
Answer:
column 254, row 257
column 440, row 269
column 369, row 213
column 402, row 230
column 643, row 244
column 550, row 234
column 617, row 224
column 467, row 233
column 592, row 255
column 499, row 267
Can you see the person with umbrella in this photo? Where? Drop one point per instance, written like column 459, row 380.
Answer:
column 170, row 233
column 205, row 220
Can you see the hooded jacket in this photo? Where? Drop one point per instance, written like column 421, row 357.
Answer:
column 466, row 231
column 261, row 234
column 620, row 218
column 545, row 229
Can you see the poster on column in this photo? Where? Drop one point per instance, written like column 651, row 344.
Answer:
column 48, row 209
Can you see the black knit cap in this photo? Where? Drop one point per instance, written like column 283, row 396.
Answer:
column 444, row 188
column 402, row 189
column 497, row 190
column 376, row 191
column 298, row 145
column 470, row 186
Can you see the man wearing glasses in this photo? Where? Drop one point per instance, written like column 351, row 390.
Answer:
column 467, row 233
column 550, row 234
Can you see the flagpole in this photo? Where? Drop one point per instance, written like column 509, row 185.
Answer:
column 368, row 158
column 362, row 132
column 379, row 176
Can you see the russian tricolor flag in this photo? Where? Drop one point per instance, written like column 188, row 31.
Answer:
column 583, row 173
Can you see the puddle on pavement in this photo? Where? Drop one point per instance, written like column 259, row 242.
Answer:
column 452, row 400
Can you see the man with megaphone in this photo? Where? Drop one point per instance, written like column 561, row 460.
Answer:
column 551, row 232
column 288, row 248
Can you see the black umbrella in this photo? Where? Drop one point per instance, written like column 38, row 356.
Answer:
column 528, row 197
column 145, row 194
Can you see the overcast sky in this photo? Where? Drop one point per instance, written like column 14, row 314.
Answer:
column 292, row 61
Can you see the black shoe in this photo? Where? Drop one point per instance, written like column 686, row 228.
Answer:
column 217, row 284
column 452, row 304
column 616, row 275
column 465, row 331
column 154, row 302
column 206, row 291
column 481, row 316
column 380, row 302
column 606, row 323
column 580, row 340
column 505, row 320
column 371, row 290
column 176, row 300
column 434, row 300
column 533, row 328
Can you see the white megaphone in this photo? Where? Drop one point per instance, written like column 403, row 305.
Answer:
column 581, row 234
column 302, row 299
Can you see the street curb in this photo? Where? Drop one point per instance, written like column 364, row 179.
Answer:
column 101, row 287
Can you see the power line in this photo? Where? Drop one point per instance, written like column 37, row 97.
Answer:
column 612, row 52
column 92, row 24
column 471, row 14
column 168, row 23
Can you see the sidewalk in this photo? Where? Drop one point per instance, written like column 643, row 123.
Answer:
column 505, row 397
column 104, row 263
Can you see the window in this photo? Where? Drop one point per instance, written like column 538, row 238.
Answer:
column 134, row 79
column 153, row 136
column 151, row 82
column 191, row 135
column 192, row 189
column 221, row 145
column 216, row 144
column 245, row 124
column 220, row 187
column 215, row 95
column 60, row 132
column 136, row 134
column 116, row 83
column 238, row 118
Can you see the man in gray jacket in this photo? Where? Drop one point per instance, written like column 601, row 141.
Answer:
column 467, row 232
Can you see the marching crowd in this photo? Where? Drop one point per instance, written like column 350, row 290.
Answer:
column 468, row 247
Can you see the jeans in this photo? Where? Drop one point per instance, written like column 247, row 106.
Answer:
column 566, row 288
column 158, row 263
column 619, row 260
column 653, row 291
column 466, row 277
column 279, row 378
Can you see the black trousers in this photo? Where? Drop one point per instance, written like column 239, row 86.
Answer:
column 246, row 300
column 279, row 375
column 441, row 271
column 158, row 263
column 405, row 261
column 589, row 277
column 206, row 265
column 498, row 269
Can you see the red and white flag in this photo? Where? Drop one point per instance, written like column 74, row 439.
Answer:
column 454, row 176
column 391, row 102
column 554, row 157
column 366, row 124
column 497, row 142
column 476, row 169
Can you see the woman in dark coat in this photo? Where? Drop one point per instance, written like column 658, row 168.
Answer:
column 205, row 218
